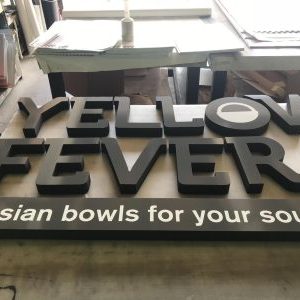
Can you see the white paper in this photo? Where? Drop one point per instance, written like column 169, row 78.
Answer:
column 196, row 36
column 74, row 35
column 265, row 20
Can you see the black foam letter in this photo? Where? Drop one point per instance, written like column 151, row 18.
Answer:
column 255, row 155
column 86, row 117
column 130, row 181
column 288, row 120
column 191, row 157
column 125, row 128
column 234, row 116
column 36, row 116
column 171, row 126
column 10, row 148
column 57, row 161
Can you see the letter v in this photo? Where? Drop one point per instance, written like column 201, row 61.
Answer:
column 130, row 181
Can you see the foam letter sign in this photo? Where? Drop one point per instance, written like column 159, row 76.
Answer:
column 58, row 160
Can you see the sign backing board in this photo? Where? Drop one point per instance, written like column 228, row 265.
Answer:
column 157, row 210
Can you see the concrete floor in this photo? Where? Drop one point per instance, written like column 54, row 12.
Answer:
column 34, row 84
column 139, row 269
column 149, row 270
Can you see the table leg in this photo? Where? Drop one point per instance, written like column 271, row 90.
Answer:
column 186, row 82
column 57, row 85
column 219, row 84
column 192, row 85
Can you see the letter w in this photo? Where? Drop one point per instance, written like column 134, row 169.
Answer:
column 106, row 214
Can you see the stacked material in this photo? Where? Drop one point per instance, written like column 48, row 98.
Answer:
column 7, row 58
column 264, row 23
column 32, row 20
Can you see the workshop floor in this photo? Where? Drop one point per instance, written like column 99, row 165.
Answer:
column 109, row 270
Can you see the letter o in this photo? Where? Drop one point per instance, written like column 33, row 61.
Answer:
column 84, row 212
column 230, row 117
column 279, row 214
column 166, row 212
column 215, row 212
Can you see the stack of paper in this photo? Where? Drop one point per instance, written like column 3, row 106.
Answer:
column 265, row 23
column 78, row 37
column 197, row 36
column 151, row 38
column 88, row 38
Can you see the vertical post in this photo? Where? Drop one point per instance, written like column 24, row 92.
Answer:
column 57, row 85
column 56, row 81
column 219, row 84
column 192, row 85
